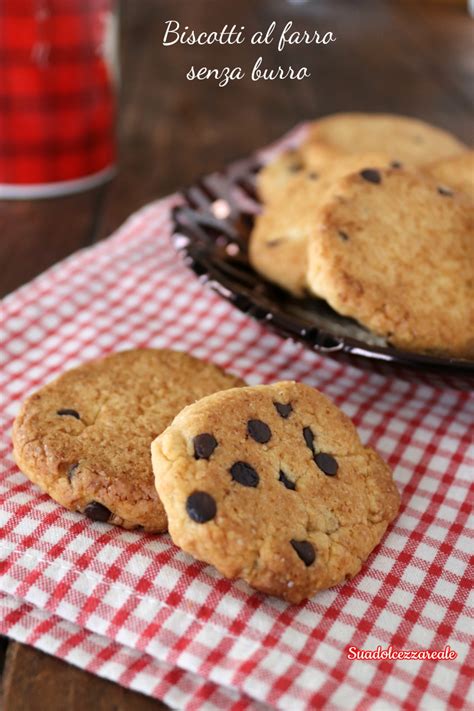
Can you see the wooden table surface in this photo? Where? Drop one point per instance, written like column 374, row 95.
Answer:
column 406, row 57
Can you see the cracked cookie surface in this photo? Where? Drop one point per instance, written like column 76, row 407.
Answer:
column 272, row 484
column 85, row 437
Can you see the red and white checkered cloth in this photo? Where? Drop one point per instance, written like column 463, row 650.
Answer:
column 134, row 608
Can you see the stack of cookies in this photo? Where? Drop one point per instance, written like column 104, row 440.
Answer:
column 374, row 213
column 270, row 484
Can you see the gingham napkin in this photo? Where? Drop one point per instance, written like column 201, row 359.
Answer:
column 134, row 608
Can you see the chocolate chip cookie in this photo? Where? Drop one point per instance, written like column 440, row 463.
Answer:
column 85, row 438
column 279, row 240
column 393, row 249
column 272, row 484
column 409, row 141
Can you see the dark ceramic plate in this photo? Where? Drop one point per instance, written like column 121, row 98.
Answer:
column 211, row 231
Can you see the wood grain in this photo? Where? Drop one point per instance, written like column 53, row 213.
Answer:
column 406, row 57
column 38, row 233
column 36, row 681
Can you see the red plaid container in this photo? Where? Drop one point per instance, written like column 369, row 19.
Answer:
column 58, row 73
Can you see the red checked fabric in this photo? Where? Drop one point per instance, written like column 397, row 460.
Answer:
column 134, row 608
column 117, row 662
column 56, row 94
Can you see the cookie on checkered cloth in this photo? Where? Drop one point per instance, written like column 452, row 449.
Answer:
column 272, row 484
column 85, row 438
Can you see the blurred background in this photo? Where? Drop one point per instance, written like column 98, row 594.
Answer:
column 412, row 57
column 408, row 57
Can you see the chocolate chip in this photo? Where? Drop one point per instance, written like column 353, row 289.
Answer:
column 371, row 175
column 396, row 164
column 343, row 235
column 72, row 470
column 326, row 463
column 259, row 431
column 305, row 551
column 283, row 409
column 313, row 176
column 201, row 507
column 71, row 413
column 309, row 438
column 204, row 445
column 97, row 512
column 274, row 242
column 285, row 481
column 244, row 474
column 445, row 191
